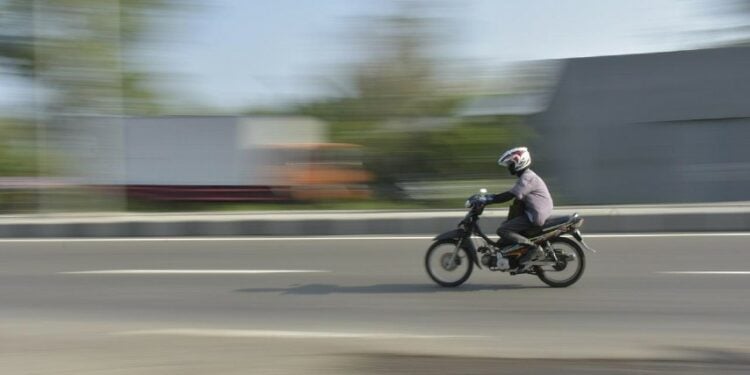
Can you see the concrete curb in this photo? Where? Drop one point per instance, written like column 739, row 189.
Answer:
column 616, row 219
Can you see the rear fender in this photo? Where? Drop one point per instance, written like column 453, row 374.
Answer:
column 467, row 243
column 579, row 237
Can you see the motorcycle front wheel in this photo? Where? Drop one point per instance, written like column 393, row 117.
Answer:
column 445, row 268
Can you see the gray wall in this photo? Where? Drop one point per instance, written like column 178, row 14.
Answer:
column 667, row 127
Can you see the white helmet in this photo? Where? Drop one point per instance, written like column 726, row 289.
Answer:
column 515, row 159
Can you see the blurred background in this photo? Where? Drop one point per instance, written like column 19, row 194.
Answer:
column 156, row 105
column 125, row 125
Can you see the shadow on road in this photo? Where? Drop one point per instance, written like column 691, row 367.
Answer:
column 317, row 289
column 416, row 364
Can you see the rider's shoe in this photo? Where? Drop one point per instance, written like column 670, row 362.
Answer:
column 526, row 260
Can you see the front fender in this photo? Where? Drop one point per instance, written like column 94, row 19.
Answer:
column 458, row 234
column 451, row 234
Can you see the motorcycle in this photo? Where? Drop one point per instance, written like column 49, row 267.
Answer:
column 451, row 258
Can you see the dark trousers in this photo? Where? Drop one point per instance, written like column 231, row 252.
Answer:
column 517, row 222
column 509, row 231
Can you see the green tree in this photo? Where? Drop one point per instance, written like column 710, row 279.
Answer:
column 403, row 109
column 80, row 57
column 17, row 157
column 79, row 53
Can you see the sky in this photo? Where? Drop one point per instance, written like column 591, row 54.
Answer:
column 245, row 53
column 238, row 54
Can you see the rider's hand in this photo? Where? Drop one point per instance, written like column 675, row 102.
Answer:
column 485, row 199
column 481, row 200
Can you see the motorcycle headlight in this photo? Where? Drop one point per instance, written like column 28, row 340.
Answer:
column 468, row 203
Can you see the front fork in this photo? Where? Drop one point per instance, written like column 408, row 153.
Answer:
column 455, row 252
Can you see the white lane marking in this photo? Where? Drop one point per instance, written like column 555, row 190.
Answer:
column 345, row 238
column 648, row 235
column 235, row 333
column 705, row 272
column 212, row 239
column 188, row 272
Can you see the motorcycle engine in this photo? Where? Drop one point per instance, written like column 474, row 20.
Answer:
column 489, row 260
column 513, row 262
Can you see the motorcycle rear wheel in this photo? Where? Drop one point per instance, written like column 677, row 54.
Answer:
column 564, row 248
column 440, row 268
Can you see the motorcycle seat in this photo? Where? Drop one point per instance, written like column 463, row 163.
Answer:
column 550, row 224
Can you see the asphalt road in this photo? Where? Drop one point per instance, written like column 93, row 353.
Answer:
column 372, row 310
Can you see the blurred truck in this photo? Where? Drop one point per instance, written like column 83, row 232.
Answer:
column 212, row 158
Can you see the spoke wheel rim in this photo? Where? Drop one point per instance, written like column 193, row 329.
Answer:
column 566, row 269
column 441, row 267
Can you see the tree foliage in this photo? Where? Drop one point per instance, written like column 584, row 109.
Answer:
column 79, row 53
column 403, row 110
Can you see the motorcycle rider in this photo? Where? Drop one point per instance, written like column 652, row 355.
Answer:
column 532, row 206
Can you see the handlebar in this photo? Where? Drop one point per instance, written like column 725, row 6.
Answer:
column 476, row 204
column 476, row 201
